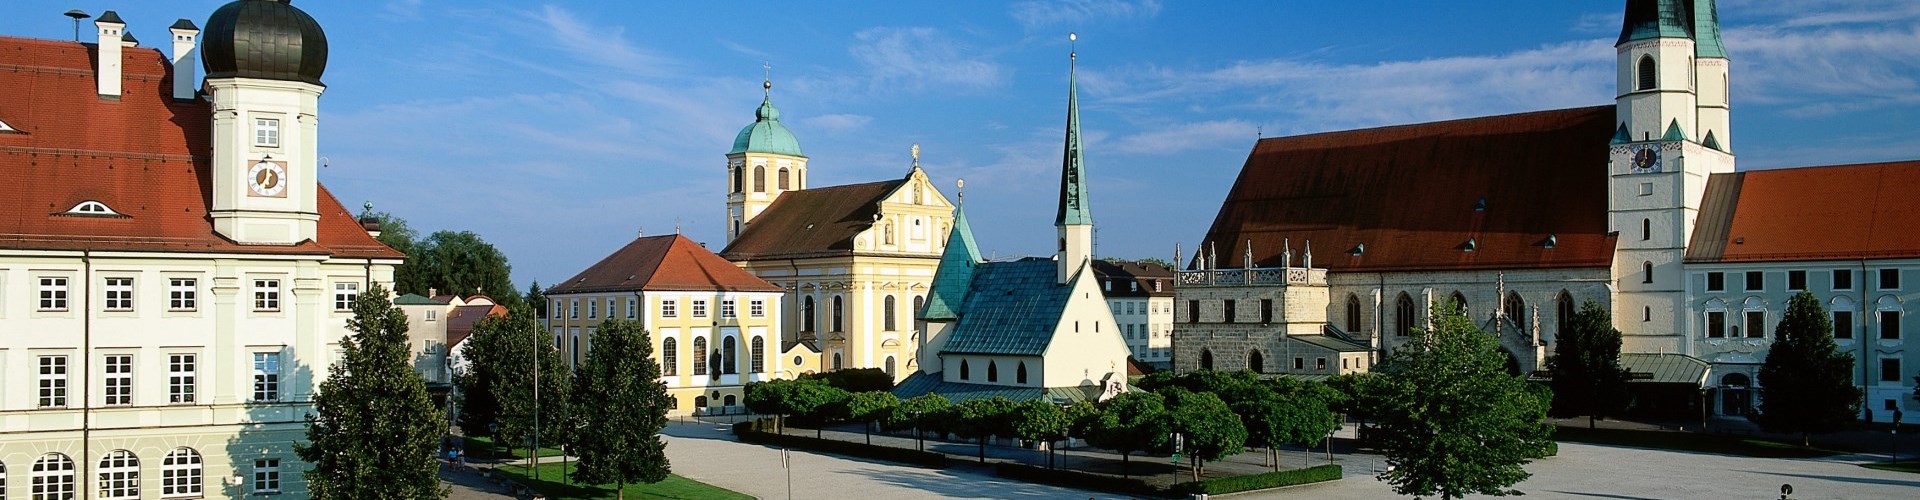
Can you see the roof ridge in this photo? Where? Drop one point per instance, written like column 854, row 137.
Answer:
column 1608, row 107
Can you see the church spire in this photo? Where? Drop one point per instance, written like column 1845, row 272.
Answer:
column 1073, row 221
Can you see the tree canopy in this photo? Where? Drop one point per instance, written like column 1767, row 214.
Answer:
column 1587, row 377
column 622, row 405
column 1131, row 422
column 449, row 262
column 374, row 429
column 1806, row 384
column 1209, row 429
column 498, row 385
column 1041, row 421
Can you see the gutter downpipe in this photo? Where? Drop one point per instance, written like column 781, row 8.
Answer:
column 86, row 366
column 1865, row 314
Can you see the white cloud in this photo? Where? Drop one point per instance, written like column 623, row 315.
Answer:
column 838, row 122
column 919, row 57
column 1820, row 69
column 603, row 45
column 1187, row 136
column 1044, row 13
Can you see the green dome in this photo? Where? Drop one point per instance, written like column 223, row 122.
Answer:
column 766, row 134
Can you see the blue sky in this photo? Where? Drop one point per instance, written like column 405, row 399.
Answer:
column 559, row 130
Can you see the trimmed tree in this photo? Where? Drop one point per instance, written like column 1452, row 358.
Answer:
column 771, row 398
column 869, row 407
column 622, row 407
column 1209, row 429
column 1131, row 422
column 1040, row 421
column 499, row 386
column 978, row 419
column 1806, row 385
column 1587, row 377
column 1452, row 421
column 374, row 429
column 921, row 413
column 818, row 402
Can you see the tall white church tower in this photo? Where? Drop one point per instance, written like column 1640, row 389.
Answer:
column 264, row 59
column 1074, row 221
column 765, row 161
column 1673, row 131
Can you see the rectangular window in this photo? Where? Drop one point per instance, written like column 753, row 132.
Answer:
column 1266, row 310
column 1890, row 370
column 53, row 294
column 610, row 308
column 266, row 132
column 1889, row 279
column 1193, row 311
column 633, row 308
column 180, row 378
column 1756, row 324
column 669, row 308
column 433, row 315
column 344, row 294
column 53, row 382
column 183, row 294
column 1320, row 364
column 118, row 379
column 726, row 308
column 1843, row 324
column 1796, row 280
column 1156, row 285
column 573, row 309
column 1716, row 324
column 1299, row 363
column 1843, row 279
column 1133, row 286
column 266, row 295
column 119, row 294
column 1716, row 282
column 757, row 308
column 1227, row 310
column 593, row 307
column 1756, row 281
column 266, row 376
column 266, row 475
column 699, row 308
column 1890, row 325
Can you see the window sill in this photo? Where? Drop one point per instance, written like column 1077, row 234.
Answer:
column 184, row 311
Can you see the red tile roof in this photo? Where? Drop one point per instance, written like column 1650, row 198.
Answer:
column 460, row 321
column 1814, row 213
column 663, row 263
column 1409, row 194
column 146, row 156
column 811, row 222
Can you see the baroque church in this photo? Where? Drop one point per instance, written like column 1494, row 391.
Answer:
column 1520, row 218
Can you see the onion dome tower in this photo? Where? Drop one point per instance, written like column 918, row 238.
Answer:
column 264, row 59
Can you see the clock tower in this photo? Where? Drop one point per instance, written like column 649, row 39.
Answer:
column 263, row 60
column 765, row 161
column 1671, row 137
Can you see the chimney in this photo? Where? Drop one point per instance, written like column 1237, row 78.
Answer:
column 186, row 77
column 111, row 30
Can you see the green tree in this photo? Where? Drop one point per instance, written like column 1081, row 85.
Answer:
column 1806, row 384
column 621, row 406
column 1452, row 421
column 374, row 429
column 461, row 263
column 1208, row 428
column 817, row 402
column 978, row 419
column 1041, row 421
column 771, row 398
column 870, row 407
column 856, row 379
column 409, row 276
column 499, row 386
column 1131, row 422
column 537, row 298
column 921, row 413
column 1587, row 377
column 1287, row 412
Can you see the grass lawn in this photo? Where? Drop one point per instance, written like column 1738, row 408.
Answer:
column 483, row 447
column 550, row 485
column 1908, row 466
column 1686, row 441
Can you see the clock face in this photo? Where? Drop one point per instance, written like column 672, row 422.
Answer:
column 1646, row 159
column 268, row 178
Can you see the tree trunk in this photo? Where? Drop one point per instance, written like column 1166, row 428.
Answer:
column 867, row 428
column 1123, row 464
column 1590, row 419
column 1805, row 440
column 620, row 491
column 1276, row 458
column 983, row 449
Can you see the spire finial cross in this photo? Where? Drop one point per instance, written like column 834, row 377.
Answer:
column 766, row 83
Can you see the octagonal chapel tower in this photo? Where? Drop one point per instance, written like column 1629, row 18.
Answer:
column 264, row 59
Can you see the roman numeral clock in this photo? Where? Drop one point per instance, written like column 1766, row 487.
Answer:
column 267, row 179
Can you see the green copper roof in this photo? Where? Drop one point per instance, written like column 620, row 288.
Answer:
column 1011, row 308
column 1648, row 19
column 1706, row 30
column 1674, row 133
column 1712, row 142
column 766, row 134
column 1621, row 136
column 1073, row 179
column 923, row 383
column 412, row 299
column 955, row 275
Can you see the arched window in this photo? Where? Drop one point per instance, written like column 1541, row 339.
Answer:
column 1736, row 380
column 836, row 361
column 1020, row 373
column 966, row 372
column 993, row 371
column 699, row 356
column 783, row 179
column 180, row 474
column 1646, row 229
column 806, row 314
column 739, row 178
column 1649, row 313
column 1353, row 313
column 1206, row 359
column 1404, row 316
column 1647, row 75
column 888, row 312
column 1460, row 303
column 119, row 475
column 1646, row 271
column 727, row 364
column 758, row 355
column 1516, row 308
column 890, row 366
column 1564, row 305
column 669, row 357
column 728, row 401
column 699, row 401
column 53, row 478
column 759, row 178
column 837, row 313
column 919, row 302
column 1255, row 362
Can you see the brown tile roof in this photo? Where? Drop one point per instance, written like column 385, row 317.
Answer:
column 663, row 263
column 460, row 321
column 1814, row 213
column 1114, row 276
column 145, row 156
column 811, row 222
column 1409, row 194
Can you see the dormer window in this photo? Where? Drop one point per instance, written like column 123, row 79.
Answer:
column 92, row 208
column 266, row 132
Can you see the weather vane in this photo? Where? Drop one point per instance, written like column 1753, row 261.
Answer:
column 960, row 186
column 1073, row 39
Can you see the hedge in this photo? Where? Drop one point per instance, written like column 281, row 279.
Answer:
column 749, row 432
column 1076, row 479
column 1237, row 484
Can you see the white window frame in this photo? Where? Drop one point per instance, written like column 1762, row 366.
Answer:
column 53, row 293
column 54, row 479
column 266, row 295
column 344, row 295
column 633, row 308
column 183, row 294
column 116, row 373
column 669, row 308
column 433, row 315
column 266, row 132
column 182, row 474
column 699, row 308
column 757, row 308
column 51, row 381
column 266, row 377
column 726, row 309
column 119, row 475
column 266, row 475
column 119, row 294
column 593, row 308
column 182, row 377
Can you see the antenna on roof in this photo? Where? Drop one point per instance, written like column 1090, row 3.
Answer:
column 77, row 15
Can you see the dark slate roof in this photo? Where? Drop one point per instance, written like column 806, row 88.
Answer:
column 1115, row 275
column 922, row 383
column 1330, row 342
column 1409, row 193
column 1012, row 308
column 811, row 222
column 270, row 40
column 657, row 263
column 955, row 274
column 1652, row 368
column 1863, row 212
